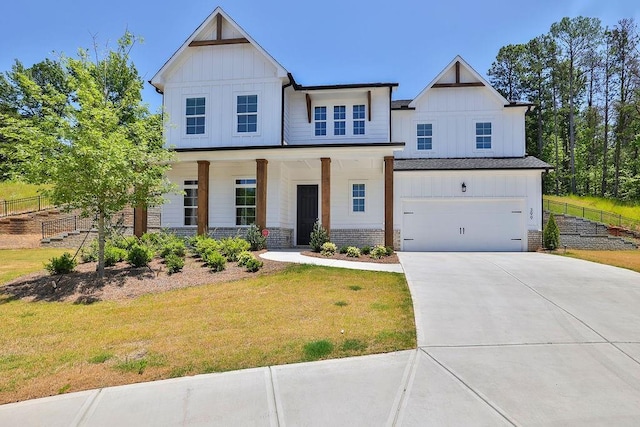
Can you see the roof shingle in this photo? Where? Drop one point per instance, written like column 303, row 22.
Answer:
column 479, row 163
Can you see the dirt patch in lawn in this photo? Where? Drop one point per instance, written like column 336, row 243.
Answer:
column 391, row 259
column 123, row 281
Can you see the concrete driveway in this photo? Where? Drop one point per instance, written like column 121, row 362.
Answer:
column 503, row 339
column 533, row 338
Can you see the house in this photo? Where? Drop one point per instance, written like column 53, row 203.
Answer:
column 444, row 171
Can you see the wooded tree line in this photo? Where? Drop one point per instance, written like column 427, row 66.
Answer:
column 584, row 80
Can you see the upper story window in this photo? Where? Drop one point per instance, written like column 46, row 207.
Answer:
column 191, row 202
column 245, row 201
column 320, row 117
column 357, row 197
column 483, row 135
column 247, row 110
column 339, row 120
column 425, row 136
column 195, row 113
column 358, row 119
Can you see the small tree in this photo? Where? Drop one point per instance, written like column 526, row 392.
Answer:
column 551, row 234
column 318, row 237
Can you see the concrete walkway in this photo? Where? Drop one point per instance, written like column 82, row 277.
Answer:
column 504, row 339
column 296, row 257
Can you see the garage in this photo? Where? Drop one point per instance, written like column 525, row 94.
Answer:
column 463, row 224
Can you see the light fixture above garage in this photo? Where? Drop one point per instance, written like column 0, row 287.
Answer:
column 464, row 187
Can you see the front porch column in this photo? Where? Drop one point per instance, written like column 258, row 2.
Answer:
column 326, row 193
column 388, row 201
column 203, row 197
column 261, row 193
column 139, row 221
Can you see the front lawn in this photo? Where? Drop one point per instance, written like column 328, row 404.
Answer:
column 625, row 259
column 18, row 262
column 301, row 313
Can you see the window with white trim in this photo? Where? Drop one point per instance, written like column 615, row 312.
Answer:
column 245, row 201
column 195, row 116
column 191, row 202
column 358, row 119
column 339, row 120
column 247, row 112
column 424, row 132
column 483, row 135
column 320, row 118
column 357, row 197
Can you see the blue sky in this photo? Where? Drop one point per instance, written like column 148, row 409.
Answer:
column 320, row 42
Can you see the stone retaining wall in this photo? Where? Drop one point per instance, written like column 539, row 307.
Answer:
column 580, row 233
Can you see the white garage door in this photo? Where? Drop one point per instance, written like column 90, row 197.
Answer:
column 463, row 225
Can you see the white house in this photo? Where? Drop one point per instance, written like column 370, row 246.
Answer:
column 444, row 171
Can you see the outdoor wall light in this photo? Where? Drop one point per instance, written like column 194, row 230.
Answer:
column 464, row 187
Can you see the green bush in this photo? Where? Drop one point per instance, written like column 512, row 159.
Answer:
column 214, row 260
column 231, row 247
column 63, row 264
column 205, row 244
column 113, row 255
column 244, row 257
column 173, row 247
column 353, row 252
column 328, row 249
column 389, row 250
column 365, row 250
column 122, row 242
column 318, row 237
column 551, row 234
column 139, row 255
column 255, row 238
column 378, row 252
column 343, row 249
column 90, row 254
column 253, row 265
column 174, row 263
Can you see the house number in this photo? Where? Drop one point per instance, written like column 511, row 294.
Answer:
column 531, row 213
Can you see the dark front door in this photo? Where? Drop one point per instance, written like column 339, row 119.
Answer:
column 307, row 212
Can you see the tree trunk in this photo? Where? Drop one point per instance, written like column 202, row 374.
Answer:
column 101, row 239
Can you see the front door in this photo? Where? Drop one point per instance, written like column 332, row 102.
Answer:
column 307, row 212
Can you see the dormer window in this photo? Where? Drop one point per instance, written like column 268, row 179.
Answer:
column 247, row 111
column 195, row 113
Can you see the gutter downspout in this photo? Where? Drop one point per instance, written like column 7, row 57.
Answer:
column 282, row 110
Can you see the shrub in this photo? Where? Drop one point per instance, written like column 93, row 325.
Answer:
column 63, row 264
column 173, row 247
column 230, row 247
column 551, row 234
column 214, row 260
column 122, row 242
column 253, row 265
column 378, row 252
column 353, row 252
column 205, row 244
column 318, row 237
column 113, row 255
column 139, row 255
column 90, row 254
column 365, row 250
column 389, row 250
column 243, row 257
column 328, row 249
column 343, row 249
column 174, row 263
column 255, row 238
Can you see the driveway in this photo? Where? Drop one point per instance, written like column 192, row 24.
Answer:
column 503, row 339
column 533, row 338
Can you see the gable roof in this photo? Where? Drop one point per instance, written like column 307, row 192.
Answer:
column 480, row 81
column 157, row 80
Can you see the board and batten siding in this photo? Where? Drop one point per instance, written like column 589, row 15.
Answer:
column 298, row 130
column 513, row 184
column 453, row 113
column 219, row 74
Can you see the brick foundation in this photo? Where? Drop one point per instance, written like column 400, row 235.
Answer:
column 362, row 237
column 534, row 240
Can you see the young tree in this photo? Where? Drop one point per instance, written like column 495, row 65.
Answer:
column 105, row 151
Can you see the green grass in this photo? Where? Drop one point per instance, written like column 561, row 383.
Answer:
column 18, row 262
column 48, row 347
column 18, row 190
column 591, row 208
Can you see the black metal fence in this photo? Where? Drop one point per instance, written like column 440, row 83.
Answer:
column 24, row 205
column 591, row 214
column 64, row 225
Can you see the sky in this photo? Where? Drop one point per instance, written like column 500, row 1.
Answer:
column 319, row 42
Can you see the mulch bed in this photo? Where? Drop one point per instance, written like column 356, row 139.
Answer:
column 392, row 259
column 123, row 282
